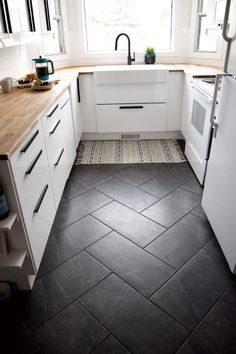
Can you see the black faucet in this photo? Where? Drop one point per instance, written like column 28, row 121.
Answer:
column 129, row 59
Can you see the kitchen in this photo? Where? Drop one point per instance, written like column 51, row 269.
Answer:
column 127, row 244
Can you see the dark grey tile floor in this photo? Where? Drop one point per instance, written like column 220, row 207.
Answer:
column 131, row 266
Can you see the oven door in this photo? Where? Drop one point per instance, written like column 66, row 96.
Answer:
column 199, row 125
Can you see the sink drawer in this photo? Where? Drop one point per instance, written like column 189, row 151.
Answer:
column 131, row 118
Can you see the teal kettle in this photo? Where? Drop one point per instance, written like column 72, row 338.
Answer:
column 42, row 68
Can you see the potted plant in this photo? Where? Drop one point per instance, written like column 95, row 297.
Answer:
column 150, row 55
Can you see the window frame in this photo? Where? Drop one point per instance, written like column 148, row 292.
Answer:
column 199, row 16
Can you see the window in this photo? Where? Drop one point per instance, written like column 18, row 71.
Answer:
column 209, row 18
column 53, row 42
column 146, row 24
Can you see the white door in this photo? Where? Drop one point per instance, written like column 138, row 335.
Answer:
column 219, row 197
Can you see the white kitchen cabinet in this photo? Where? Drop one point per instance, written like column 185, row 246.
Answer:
column 74, row 90
column 39, row 220
column 131, row 101
column 88, row 103
column 131, row 118
column 174, row 101
column 55, row 146
column 29, row 166
column 68, row 130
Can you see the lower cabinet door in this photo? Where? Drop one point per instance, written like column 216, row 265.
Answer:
column 40, row 219
column 131, row 118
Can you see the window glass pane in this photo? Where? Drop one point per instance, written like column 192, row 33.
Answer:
column 146, row 25
column 53, row 43
column 208, row 39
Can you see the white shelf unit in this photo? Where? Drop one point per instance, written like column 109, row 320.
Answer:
column 14, row 260
column 6, row 224
column 16, row 257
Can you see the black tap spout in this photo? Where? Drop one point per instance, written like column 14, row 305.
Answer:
column 129, row 59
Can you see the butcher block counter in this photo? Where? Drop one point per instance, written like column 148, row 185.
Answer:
column 22, row 108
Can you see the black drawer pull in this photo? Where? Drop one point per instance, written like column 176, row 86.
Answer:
column 30, row 169
column 41, row 198
column 78, row 89
column 59, row 158
column 131, row 107
column 27, row 145
column 54, row 129
column 53, row 111
column 65, row 103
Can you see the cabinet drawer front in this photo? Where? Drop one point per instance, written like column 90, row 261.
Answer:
column 39, row 220
column 146, row 93
column 25, row 152
column 53, row 138
column 131, row 118
column 28, row 178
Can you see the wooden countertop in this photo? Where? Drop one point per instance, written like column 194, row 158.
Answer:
column 22, row 108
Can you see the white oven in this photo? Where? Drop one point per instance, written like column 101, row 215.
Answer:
column 199, row 127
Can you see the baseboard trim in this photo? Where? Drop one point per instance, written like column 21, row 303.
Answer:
column 118, row 136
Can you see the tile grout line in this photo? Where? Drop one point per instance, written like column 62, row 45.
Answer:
column 203, row 318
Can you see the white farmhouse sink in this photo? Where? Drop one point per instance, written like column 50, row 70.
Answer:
column 130, row 74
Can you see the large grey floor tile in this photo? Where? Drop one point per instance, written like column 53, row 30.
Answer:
column 134, row 265
column 155, row 169
column 132, row 225
column 73, row 331
column 110, row 346
column 230, row 295
column 179, row 243
column 173, row 207
column 134, row 176
column 82, row 179
column 79, row 207
column 194, row 290
column 132, row 319
column 213, row 247
column 53, row 292
column 114, row 169
column 165, row 183
column 127, row 194
column 216, row 334
column 72, row 240
column 193, row 186
column 198, row 211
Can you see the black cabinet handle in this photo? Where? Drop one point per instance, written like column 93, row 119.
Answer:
column 53, row 111
column 78, row 89
column 41, row 198
column 27, row 145
column 65, row 103
column 4, row 20
column 8, row 16
column 131, row 107
column 59, row 158
column 30, row 169
column 47, row 14
column 54, row 129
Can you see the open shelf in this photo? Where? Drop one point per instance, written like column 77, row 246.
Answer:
column 6, row 224
column 14, row 260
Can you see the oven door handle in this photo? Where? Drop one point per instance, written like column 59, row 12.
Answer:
column 203, row 94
